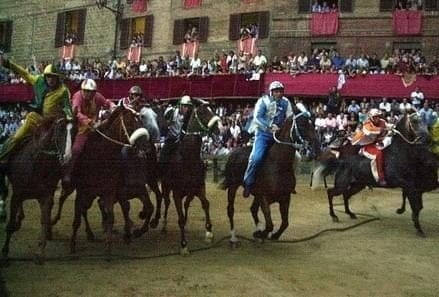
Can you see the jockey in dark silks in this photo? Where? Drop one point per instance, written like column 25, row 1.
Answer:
column 175, row 118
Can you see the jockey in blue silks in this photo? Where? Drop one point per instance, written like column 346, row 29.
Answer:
column 269, row 114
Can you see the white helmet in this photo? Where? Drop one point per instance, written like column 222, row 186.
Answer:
column 276, row 85
column 88, row 85
column 185, row 100
column 374, row 112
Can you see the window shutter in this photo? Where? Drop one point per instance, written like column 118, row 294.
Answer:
column 82, row 15
column 178, row 32
column 147, row 38
column 8, row 39
column 431, row 5
column 264, row 24
column 124, row 33
column 204, row 29
column 386, row 5
column 60, row 29
column 234, row 26
column 346, row 5
column 304, row 6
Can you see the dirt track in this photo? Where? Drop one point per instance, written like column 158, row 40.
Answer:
column 381, row 258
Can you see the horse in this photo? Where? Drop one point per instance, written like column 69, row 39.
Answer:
column 34, row 170
column 275, row 179
column 409, row 165
column 185, row 172
column 102, row 153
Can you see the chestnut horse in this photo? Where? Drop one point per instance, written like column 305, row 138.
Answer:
column 185, row 172
column 275, row 179
column 34, row 170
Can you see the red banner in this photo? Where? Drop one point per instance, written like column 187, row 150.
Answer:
column 191, row 3
column 139, row 6
column 324, row 23
column 407, row 22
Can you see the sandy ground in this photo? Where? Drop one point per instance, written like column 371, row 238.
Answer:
column 384, row 257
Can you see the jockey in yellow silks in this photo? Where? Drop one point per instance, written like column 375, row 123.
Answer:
column 51, row 99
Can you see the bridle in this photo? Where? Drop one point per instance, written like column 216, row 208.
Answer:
column 294, row 130
column 409, row 127
column 204, row 128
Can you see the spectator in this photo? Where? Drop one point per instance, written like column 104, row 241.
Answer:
column 427, row 115
column 417, row 98
column 354, row 107
column 385, row 106
column 333, row 104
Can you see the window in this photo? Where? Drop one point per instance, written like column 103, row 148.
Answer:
column 260, row 20
column 341, row 5
column 5, row 35
column 326, row 46
column 389, row 5
column 70, row 27
column 136, row 30
column 407, row 46
column 192, row 28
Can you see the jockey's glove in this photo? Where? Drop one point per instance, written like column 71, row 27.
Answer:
column 274, row 128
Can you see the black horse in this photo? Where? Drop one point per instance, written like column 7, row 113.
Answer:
column 409, row 165
column 185, row 172
column 275, row 179
column 34, row 170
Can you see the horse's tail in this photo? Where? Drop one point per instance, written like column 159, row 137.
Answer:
column 323, row 169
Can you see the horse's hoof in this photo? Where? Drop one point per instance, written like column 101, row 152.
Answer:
column 164, row 231
column 335, row 219
column 72, row 249
column 154, row 223
column 137, row 233
column 127, row 238
column 353, row 216
column 38, row 259
column 257, row 234
column 274, row 237
column 91, row 237
column 234, row 244
column 184, row 251
column 421, row 234
column 209, row 237
column 400, row 210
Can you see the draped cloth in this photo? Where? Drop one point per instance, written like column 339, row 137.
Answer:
column 139, row 6
column 248, row 45
column 407, row 22
column 67, row 52
column 191, row 3
column 190, row 48
column 134, row 54
column 324, row 24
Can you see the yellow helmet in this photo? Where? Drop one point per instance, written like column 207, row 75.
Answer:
column 51, row 70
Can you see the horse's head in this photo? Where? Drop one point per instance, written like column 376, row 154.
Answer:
column 298, row 130
column 124, row 128
column 411, row 129
column 203, row 120
column 54, row 137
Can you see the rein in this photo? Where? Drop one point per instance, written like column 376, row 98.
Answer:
column 114, row 140
column 293, row 126
column 405, row 138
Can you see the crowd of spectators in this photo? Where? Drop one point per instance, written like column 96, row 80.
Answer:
column 319, row 61
column 11, row 117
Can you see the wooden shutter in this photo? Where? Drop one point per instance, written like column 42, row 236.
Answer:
column 82, row 15
column 8, row 37
column 304, row 6
column 234, row 26
column 431, row 5
column 178, row 32
column 204, row 29
column 386, row 5
column 147, row 38
column 346, row 5
column 264, row 24
column 60, row 29
column 124, row 33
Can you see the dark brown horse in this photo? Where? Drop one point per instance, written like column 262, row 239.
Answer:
column 34, row 171
column 275, row 179
column 99, row 170
column 185, row 173
column 409, row 165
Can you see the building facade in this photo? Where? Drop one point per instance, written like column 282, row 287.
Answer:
column 40, row 28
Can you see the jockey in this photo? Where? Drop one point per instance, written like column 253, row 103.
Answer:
column 52, row 98
column 134, row 100
column 176, row 118
column 269, row 114
column 370, row 137
column 86, row 105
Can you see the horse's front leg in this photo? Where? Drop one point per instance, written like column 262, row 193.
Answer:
column 11, row 227
column 206, row 205
column 284, row 207
column 109, row 200
column 415, row 200
column 231, row 194
column 265, row 207
column 125, row 207
column 65, row 193
column 166, row 191
column 148, row 209
column 354, row 189
column 401, row 210
column 159, row 198
column 254, row 208
column 178, row 200
column 46, row 204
